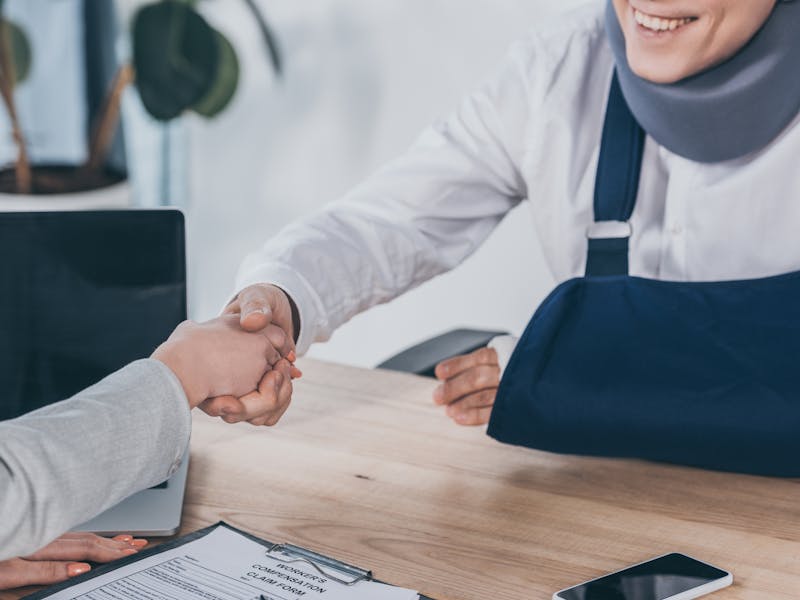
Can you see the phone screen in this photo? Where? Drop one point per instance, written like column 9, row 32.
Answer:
column 657, row 579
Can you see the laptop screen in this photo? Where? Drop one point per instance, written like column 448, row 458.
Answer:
column 81, row 295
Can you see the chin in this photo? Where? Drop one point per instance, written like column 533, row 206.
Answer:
column 658, row 69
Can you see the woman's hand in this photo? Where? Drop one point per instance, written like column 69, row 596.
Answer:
column 469, row 386
column 65, row 558
column 218, row 358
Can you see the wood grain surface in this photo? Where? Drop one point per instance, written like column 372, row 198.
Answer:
column 365, row 468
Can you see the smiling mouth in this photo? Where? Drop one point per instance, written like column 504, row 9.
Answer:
column 659, row 24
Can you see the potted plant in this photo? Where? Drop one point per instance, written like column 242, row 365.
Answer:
column 179, row 64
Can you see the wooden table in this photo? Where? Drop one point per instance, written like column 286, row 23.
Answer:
column 364, row 467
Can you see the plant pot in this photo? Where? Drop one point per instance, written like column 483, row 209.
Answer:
column 65, row 188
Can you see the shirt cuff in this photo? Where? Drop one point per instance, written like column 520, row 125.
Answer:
column 170, row 391
column 504, row 346
column 313, row 323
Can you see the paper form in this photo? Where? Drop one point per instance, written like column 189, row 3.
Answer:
column 224, row 565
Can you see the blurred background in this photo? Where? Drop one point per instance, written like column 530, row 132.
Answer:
column 360, row 80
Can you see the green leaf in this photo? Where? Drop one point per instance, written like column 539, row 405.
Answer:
column 176, row 57
column 21, row 53
column 225, row 83
column 273, row 51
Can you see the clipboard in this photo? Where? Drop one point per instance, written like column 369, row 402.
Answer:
column 290, row 553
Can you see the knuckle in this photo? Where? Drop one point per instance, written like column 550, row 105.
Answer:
column 447, row 390
column 475, row 378
column 247, row 293
column 262, row 345
column 488, row 376
column 52, row 571
column 471, row 401
column 209, row 410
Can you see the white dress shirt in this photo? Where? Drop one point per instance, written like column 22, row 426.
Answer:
column 533, row 133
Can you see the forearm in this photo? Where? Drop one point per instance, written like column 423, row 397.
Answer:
column 65, row 463
column 419, row 217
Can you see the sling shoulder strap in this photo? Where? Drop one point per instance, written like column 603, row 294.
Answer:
column 616, row 187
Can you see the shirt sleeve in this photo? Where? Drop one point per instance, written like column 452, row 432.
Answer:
column 65, row 463
column 504, row 346
column 419, row 216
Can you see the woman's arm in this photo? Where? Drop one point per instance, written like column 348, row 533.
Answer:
column 65, row 463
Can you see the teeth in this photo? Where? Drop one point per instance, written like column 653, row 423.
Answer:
column 658, row 23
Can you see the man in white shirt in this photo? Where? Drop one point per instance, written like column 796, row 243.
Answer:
column 533, row 133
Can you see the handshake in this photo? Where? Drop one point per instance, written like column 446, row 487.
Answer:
column 239, row 366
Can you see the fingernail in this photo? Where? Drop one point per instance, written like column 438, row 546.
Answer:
column 140, row 543
column 437, row 394
column 129, row 551
column 124, row 538
column 296, row 373
column 291, row 357
column 75, row 569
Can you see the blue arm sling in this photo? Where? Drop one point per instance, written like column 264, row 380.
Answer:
column 700, row 374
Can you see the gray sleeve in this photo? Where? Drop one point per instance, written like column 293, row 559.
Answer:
column 65, row 463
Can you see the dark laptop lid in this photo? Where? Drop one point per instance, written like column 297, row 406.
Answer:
column 81, row 295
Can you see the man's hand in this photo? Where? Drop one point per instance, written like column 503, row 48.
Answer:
column 65, row 558
column 265, row 405
column 262, row 307
column 217, row 358
column 263, row 304
column 469, row 386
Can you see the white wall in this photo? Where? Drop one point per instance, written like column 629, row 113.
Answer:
column 362, row 78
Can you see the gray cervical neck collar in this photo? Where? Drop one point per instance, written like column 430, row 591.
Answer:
column 727, row 111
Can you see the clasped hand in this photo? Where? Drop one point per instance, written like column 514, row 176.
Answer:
column 468, row 386
column 240, row 365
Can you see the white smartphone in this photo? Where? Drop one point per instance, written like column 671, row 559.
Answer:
column 669, row 577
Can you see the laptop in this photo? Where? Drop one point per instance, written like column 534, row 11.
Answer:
column 82, row 294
